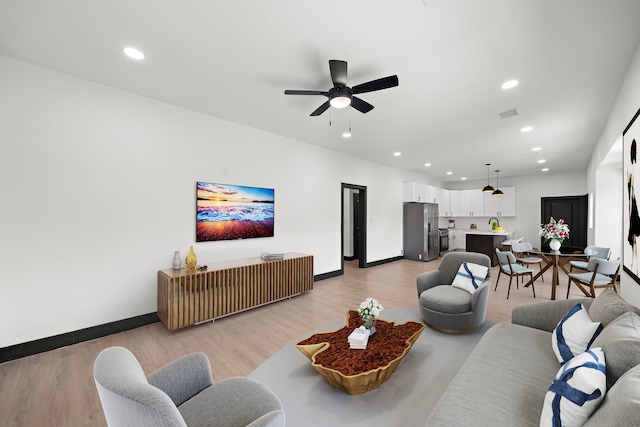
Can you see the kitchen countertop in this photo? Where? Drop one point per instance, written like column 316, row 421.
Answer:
column 490, row 232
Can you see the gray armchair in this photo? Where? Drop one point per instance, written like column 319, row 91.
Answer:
column 450, row 309
column 181, row 393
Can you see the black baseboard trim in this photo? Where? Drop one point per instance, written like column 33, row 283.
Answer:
column 51, row 343
column 384, row 261
column 328, row 275
column 350, row 258
column 57, row 341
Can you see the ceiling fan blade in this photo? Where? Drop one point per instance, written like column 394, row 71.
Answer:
column 360, row 105
column 379, row 84
column 338, row 72
column 321, row 109
column 305, row 92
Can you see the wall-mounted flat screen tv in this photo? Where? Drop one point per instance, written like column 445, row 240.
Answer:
column 228, row 212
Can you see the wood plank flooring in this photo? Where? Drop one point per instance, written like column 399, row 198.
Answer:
column 57, row 389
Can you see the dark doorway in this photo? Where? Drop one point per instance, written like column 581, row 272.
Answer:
column 573, row 210
column 356, row 215
column 356, row 224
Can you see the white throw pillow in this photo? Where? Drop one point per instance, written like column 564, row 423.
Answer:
column 577, row 390
column 470, row 276
column 574, row 334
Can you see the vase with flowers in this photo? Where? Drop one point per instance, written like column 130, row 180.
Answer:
column 554, row 233
column 370, row 309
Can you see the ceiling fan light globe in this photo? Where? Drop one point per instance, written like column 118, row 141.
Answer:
column 340, row 102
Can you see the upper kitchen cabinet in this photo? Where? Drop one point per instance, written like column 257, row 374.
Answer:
column 444, row 206
column 471, row 202
column 454, row 202
column 462, row 203
column 413, row 192
column 504, row 205
column 434, row 195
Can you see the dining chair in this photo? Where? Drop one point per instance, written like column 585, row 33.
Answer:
column 601, row 273
column 510, row 267
column 522, row 252
column 593, row 252
column 506, row 244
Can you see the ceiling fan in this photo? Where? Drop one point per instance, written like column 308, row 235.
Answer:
column 341, row 95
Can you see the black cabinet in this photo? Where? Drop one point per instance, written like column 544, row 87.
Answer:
column 485, row 244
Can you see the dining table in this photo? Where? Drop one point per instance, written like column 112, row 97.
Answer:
column 555, row 260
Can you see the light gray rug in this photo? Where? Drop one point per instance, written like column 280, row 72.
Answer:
column 406, row 399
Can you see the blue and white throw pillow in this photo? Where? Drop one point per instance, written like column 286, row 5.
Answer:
column 574, row 334
column 470, row 276
column 577, row 390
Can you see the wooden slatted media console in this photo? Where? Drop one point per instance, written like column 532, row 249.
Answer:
column 189, row 297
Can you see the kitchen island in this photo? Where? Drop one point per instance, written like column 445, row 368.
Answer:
column 486, row 242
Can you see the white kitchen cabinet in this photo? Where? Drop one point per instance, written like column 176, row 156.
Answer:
column 414, row 192
column 498, row 206
column 471, row 202
column 461, row 240
column 444, row 206
column 434, row 194
column 454, row 202
column 462, row 203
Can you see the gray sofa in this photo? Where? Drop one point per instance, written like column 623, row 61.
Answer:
column 505, row 379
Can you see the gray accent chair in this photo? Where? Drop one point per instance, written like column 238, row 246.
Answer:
column 181, row 393
column 450, row 309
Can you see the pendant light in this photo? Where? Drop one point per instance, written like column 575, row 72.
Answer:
column 488, row 188
column 497, row 192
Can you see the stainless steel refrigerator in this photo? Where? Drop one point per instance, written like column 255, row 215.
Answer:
column 421, row 240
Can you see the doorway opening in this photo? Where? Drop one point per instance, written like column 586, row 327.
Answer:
column 573, row 209
column 354, row 224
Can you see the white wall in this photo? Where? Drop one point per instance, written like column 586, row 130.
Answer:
column 98, row 190
column 624, row 108
column 608, row 211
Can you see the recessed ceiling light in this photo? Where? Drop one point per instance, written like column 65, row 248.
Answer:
column 397, row 154
column 526, row 129
column 536, row 149
column 464, row 178
column 449, row 173
column 509, row 84
column 541, row 161
column 545, row 169
column 427, row 164
column 132, row 52
column 346, row 135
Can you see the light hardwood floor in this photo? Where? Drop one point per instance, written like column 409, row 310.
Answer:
column 57, row 389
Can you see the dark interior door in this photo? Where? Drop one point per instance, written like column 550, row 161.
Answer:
column 356, row 225
column 573, row 210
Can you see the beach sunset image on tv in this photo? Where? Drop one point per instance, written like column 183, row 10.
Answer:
column 228, row 212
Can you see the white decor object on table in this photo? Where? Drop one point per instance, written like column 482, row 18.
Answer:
column 359, row 338
column 368, row 311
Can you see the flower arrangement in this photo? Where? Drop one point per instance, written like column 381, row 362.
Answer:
column 554, row 230
column 370, row 308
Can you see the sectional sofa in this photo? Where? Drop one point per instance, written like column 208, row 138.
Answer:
column 506, row 380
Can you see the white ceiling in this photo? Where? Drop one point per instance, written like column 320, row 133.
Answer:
column 234, row 59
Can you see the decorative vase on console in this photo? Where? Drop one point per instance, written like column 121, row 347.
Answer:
column 554, row 244
column 191, row 260
column 177, row 262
